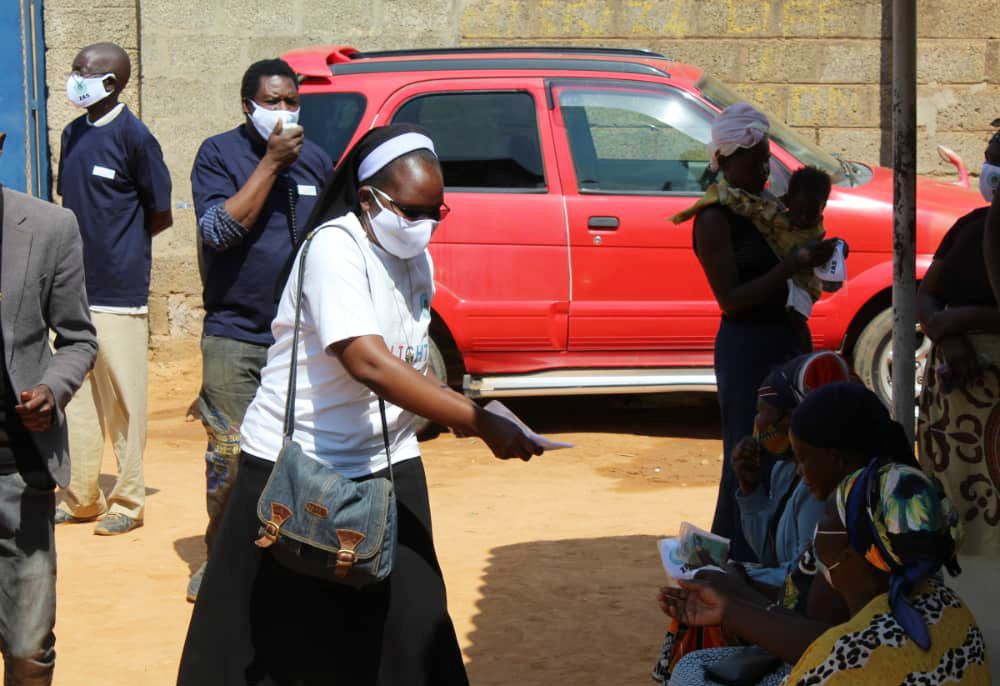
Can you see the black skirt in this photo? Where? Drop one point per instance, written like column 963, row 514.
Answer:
column 255, row 622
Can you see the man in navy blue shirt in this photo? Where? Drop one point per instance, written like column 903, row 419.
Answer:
column 112, row 176
column 254, row 187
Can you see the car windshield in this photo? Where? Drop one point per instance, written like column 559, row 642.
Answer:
column 807, row 153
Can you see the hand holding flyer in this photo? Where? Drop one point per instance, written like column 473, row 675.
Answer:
column 499, row 409
column 694, row 550
column 835, row 269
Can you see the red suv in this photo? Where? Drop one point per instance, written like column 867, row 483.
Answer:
column 558, row 269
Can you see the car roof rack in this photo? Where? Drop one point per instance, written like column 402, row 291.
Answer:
column 496, row 64
column 544, row 49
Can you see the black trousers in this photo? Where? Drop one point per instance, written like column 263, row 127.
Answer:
column 256, row 622
column 745, row 353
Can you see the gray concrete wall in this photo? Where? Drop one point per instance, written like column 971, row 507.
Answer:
column 821, row 65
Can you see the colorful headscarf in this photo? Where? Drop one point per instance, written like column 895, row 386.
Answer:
column 738, row 126
column 902, row 523
column 788, row 385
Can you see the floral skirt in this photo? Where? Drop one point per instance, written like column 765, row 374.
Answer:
column 958, row 436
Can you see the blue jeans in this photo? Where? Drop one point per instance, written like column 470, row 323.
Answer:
column 229, row 380
column 28, row 580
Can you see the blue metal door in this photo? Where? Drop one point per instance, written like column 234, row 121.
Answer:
column 25, row 162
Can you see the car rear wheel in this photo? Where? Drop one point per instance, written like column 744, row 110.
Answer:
column 424, row 427
column 873, row 357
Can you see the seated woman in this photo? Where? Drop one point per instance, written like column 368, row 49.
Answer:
column 885, row 537
column 836, row 430
column 778, row 524
column 887, row 532
column 958, row 410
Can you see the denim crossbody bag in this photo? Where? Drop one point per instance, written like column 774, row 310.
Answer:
column 313, row 520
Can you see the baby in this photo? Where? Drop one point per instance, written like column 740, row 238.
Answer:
column 808, row 191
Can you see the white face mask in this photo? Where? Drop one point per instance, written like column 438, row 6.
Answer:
column 86, row 92
column 265, row 120
column 399, row 236
column 989, row 179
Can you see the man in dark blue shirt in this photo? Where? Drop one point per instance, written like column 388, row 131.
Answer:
column 112, row 176
column 254, row 187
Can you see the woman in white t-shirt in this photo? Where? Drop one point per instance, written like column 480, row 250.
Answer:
column 367, row 295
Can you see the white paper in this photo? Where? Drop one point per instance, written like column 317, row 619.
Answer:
column 836, row 268
column 676, row 567
column 103, row 172
column 693, row 550
column 307, row 190
column 499, row 409
column 799, row 299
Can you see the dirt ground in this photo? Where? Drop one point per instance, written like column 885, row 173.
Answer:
column 551, row 566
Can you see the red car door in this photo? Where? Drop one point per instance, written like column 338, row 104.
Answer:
column 501, row 257
column 631, row 155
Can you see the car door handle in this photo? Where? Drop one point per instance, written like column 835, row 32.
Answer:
column 602, row 223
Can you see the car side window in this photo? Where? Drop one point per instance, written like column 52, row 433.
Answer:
column 636, row 141
column 485, row 140
column 330, row 120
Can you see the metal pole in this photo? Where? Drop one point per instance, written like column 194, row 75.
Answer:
column 904, row 200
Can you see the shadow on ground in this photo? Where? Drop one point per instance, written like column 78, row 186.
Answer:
column 192, row 551
column 568, row 612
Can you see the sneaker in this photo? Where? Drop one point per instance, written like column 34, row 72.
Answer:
column 195, row 583
column 115, row 524
column 64, row 517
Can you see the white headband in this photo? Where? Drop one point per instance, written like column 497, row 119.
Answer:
column 393, row 148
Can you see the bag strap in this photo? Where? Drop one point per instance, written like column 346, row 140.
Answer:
column 289, row 424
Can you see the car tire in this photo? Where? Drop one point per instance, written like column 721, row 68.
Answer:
column 873, row 357
column 424, row 427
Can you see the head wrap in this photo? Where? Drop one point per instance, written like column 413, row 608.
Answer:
column 376, row 150
column 737, row 126
column 996, row 135
column 900, row 521
column 788, row 385
column 848, row 417
column 373, row 152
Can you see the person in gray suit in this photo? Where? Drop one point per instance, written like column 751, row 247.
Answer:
column 41, row 291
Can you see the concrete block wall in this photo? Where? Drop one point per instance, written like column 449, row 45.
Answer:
column 820, row 65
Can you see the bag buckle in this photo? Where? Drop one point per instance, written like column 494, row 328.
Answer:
column 272, row 527
column 346, row 556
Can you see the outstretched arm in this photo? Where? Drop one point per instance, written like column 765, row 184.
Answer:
column 368, row 361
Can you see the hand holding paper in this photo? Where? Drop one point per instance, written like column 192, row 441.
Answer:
column 501, row 410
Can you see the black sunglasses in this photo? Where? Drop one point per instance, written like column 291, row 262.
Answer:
column 416, row 213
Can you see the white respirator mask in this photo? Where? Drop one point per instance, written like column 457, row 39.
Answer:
column 86, row 91
column 989, row 179
column 265, row 120
column 399, row 236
